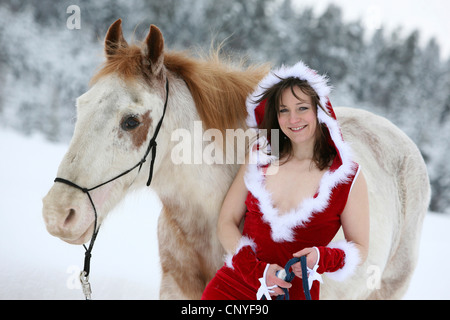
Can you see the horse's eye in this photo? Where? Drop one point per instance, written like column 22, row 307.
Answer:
column 130, row 123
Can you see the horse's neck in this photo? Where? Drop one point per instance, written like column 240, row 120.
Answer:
column 196, row 190
column 184, row 185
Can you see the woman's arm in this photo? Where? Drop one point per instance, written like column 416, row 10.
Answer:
column 232, row 213
column 355, row 217
column 355, row 224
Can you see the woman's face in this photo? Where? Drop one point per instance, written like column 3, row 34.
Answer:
column 297, row 116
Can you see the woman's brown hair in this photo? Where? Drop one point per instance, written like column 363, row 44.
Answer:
column 324, row 153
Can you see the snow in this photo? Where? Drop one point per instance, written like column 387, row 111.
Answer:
column 431, row 279
column 125, row 262
column 35, row 265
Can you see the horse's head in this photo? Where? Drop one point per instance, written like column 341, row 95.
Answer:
column 116, row 119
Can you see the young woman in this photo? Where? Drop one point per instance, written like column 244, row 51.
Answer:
column 295, row 203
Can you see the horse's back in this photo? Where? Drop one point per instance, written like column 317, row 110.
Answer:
column 377, row 142
column 399, row 194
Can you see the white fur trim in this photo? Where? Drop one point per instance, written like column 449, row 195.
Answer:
column 243, row 242
column 318, row 82
column 351, row 261
column 282, row 225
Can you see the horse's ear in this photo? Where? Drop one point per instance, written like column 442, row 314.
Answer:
column 155, row 49
column 114, row 38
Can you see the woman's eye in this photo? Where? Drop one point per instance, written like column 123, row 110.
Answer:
column 130, row 123
column 303, row 108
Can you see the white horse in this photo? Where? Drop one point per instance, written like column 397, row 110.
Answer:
column 118, row 116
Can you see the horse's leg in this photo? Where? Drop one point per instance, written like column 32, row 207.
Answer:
column 184, row 273
column 414, row 195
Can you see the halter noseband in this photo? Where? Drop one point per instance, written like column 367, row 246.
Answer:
column 84, row 275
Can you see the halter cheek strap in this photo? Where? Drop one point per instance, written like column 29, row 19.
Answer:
column 84, row 276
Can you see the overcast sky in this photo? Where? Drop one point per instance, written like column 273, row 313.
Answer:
column 431, row 17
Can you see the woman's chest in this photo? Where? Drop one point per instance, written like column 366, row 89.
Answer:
column 289, row 186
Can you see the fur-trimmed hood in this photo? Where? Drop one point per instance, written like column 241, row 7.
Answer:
column 320, row 84
column 342, row 169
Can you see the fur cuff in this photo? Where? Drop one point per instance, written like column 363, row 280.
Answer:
column 244, row 242
column 351, row 260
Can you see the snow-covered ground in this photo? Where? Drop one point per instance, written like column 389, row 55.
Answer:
column 125, row 262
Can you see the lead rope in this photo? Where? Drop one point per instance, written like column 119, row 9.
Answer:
column 290, row 276
column 84, row 275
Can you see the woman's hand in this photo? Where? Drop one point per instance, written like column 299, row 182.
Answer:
column 272, row 279
column 311, row 260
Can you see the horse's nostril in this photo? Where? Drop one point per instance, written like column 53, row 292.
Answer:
column 70, row 217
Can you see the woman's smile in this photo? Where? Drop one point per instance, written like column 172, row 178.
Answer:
column 298, row 129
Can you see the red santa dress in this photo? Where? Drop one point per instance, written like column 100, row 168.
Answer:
column 271, row 238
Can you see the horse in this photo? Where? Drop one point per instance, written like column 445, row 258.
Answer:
column 117, row 117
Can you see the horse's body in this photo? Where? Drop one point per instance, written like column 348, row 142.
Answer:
column 131, row 85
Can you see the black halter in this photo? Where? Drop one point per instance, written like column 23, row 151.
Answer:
column 84, row 276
